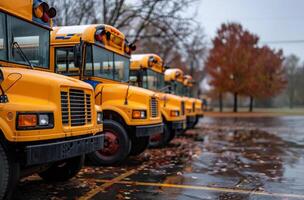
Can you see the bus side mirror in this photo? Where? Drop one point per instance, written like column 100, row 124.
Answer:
column 77, row 55
column 132, row 47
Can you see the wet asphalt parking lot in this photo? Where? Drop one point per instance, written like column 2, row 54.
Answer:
column 223, row 158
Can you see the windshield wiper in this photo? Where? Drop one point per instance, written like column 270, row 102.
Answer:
column 165, row 88
column 17, row 46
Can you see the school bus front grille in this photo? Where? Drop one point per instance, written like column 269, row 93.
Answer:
column 154, row 107
column 65, row 108
column 76, row 108
column 88, row 108
column 183, row 108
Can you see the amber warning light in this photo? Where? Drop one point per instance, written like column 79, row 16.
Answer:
column 43, row 11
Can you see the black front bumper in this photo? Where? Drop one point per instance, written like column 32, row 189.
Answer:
column 178, row 125
column 190, row 121
column 143, row 131
column 56, row 151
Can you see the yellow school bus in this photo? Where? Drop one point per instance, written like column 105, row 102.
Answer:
column 199, row 105
column 147, row 71
column 47, row 121
column 100, row 55
column 175, row 79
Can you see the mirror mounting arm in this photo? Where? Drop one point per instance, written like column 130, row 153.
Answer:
column 127, row 94
column 3, row 96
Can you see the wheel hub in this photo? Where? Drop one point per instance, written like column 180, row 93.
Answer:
column 156, row 138
column 111, row 144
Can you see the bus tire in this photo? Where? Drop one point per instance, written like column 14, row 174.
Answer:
column 9, row 174
column 139, row 145
column 195, row 122
column 162, row 139
column 172, row 135
column 63, row 170
column 117, row 145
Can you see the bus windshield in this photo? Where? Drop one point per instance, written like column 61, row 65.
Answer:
column 33, row 40
column 103, row 63
column 153, row 80
column 179, row 88
column 187, row 91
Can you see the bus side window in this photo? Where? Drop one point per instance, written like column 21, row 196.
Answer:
column 135, row 75
column 65, row 61
column 3, row 51
column 61, row 62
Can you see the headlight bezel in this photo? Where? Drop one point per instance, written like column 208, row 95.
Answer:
column 143, row 114
column 38, row 126
column 174, row 113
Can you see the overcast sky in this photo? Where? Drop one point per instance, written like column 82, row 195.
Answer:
column 277, row 22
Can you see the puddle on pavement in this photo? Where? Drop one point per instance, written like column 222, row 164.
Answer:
column 257, row 155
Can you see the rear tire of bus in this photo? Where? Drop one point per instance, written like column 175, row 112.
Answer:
column 139, row 145
column 117, row 145
column 162, row 139
column 63, row 170
column 9, row 174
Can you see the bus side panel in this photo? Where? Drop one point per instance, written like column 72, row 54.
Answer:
column 6, row 130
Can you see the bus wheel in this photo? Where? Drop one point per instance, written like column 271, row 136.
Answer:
column 172, row 135
column 116, row 148
column 195, row 122
column 9, row 174
column 63, row 170
column 161, row 139
column 139, row 145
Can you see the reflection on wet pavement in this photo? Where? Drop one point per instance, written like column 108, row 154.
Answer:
column 239, row 158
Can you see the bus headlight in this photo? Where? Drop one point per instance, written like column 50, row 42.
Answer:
column 139, row 114
column 32, row 121
column 44, row 120
column 174, row 113
column 99, row 117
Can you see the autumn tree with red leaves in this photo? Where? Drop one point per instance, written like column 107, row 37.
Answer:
column 230, row 60
column 238, row 66
column 268, row 77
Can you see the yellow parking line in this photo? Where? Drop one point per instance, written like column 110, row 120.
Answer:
column 206, row 188
column 106, row 184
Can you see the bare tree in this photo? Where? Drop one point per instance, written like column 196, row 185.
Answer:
column 134, row 18
column 158, row 26
column 70, row 12
column 291, row 66
column 196, row 52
